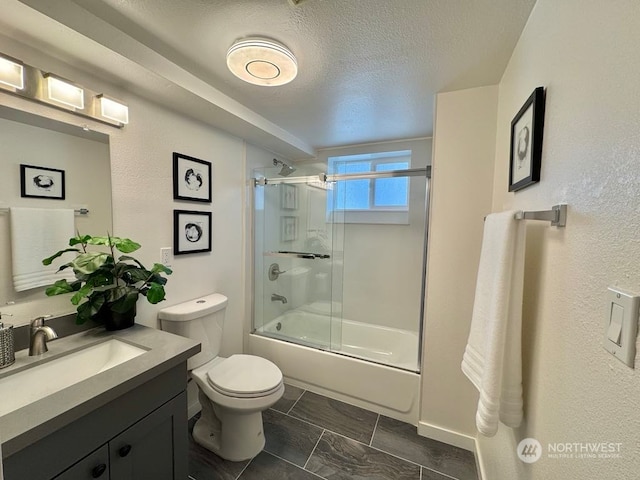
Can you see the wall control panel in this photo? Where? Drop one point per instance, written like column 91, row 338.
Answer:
column 621, row 325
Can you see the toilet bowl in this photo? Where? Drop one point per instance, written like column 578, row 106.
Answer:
column 232, row 391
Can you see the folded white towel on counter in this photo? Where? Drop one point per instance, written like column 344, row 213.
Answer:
column 38, row 233
column 493, row 358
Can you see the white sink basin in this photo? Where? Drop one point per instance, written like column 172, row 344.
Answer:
column 34, row 383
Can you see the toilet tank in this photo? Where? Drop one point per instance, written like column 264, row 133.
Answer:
column 200, row 319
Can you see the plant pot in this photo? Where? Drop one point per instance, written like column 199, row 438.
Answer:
column 119, row 321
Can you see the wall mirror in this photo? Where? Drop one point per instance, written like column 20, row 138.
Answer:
column 53, row 146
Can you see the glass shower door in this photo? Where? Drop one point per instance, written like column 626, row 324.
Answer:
column 293, row 256
column 378, row 213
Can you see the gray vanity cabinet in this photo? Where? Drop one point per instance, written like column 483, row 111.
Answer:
column 139, row 435
column 95, row 465
column 146, row 450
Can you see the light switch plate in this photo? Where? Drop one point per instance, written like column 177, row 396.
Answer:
column 622, row 307
column 165, row 256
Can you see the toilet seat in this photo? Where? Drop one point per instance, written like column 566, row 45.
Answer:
column 244, row 376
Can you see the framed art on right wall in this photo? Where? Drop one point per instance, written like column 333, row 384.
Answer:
column 526, row 142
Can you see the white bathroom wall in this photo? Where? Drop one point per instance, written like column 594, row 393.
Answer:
column 141, row 178
column 141, row 162
column 462, row 177
column 585, row 53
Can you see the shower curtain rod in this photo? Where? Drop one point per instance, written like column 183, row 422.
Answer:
column 323, row 177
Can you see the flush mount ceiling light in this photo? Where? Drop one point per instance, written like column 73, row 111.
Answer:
column 262, row 62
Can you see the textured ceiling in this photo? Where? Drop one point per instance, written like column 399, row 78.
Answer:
column 368, row 69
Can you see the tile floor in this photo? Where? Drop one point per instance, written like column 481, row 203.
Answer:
column 311, row 437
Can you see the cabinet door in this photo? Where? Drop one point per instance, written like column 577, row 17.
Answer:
column 94, row 465
column 152, row 448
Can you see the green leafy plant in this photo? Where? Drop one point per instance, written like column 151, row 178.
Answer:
column 103, row 283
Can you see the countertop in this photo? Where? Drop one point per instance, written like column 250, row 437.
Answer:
column 24, row 426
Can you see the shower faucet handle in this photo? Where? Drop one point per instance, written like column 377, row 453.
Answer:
column 275, row 272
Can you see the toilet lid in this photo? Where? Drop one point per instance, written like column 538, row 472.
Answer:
column 245, row 375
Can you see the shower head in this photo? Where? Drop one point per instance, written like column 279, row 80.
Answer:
column 286, row 170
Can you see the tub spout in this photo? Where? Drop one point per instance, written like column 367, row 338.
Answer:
column 278, row 298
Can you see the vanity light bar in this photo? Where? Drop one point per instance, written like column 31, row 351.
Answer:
column 31, row 83
column 11, row 72
column 63, row 91
column 113, row 109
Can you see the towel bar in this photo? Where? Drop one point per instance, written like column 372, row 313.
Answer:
column 79, row 211
column 557, row 215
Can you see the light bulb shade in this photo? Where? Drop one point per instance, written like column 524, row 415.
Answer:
column 62, row 91
column 11, row 73
column 262, row 62
column 113, row 109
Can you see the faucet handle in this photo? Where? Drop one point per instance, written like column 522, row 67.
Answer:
column 38, row 321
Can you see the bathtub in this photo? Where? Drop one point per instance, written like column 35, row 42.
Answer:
column 297, row 342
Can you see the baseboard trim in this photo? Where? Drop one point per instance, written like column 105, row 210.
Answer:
column 447, row 436
column 480, row 462
column 453, row 438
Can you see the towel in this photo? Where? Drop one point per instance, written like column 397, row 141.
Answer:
column 38, row 233
column 493, row 359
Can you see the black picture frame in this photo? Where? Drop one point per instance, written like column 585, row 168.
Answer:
column 526, row 142
column 191, row 232
column 42, row 182
column 288, row 228
column 288, row 197
column 191, row 178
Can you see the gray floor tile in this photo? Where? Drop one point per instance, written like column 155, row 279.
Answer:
column 340, row 458
column 267, row 467
column 403, row 440
column 205, row 465
column 353, row 422
column 290, row 397
column 288, row 437
column 431, row 475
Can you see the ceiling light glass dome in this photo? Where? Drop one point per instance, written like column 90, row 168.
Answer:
column 262, row 62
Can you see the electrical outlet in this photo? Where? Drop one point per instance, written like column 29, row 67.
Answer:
column 165, row 256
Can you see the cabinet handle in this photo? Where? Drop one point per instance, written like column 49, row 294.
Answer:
column 99, row 470
column 124, row 451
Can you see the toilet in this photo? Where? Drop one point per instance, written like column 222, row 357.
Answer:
column 232, row 391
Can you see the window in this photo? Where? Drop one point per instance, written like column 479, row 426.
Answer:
column 380, row 200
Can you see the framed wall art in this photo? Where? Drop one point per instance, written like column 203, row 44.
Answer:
column 288, row 197
column 41, row 182
column 526, row 142
column 288, row 228
column 191, row 178
column 191, row 232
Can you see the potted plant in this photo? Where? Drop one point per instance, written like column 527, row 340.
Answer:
column 106, row 289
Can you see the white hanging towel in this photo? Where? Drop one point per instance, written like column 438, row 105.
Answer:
column 493, row 357
column 37, row 233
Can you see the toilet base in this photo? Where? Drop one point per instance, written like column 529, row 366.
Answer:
column 230, row 434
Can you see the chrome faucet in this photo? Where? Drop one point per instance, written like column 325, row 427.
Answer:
column 278, row 298
column 38, row 336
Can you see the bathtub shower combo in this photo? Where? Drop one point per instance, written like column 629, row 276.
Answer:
column 339, row 266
